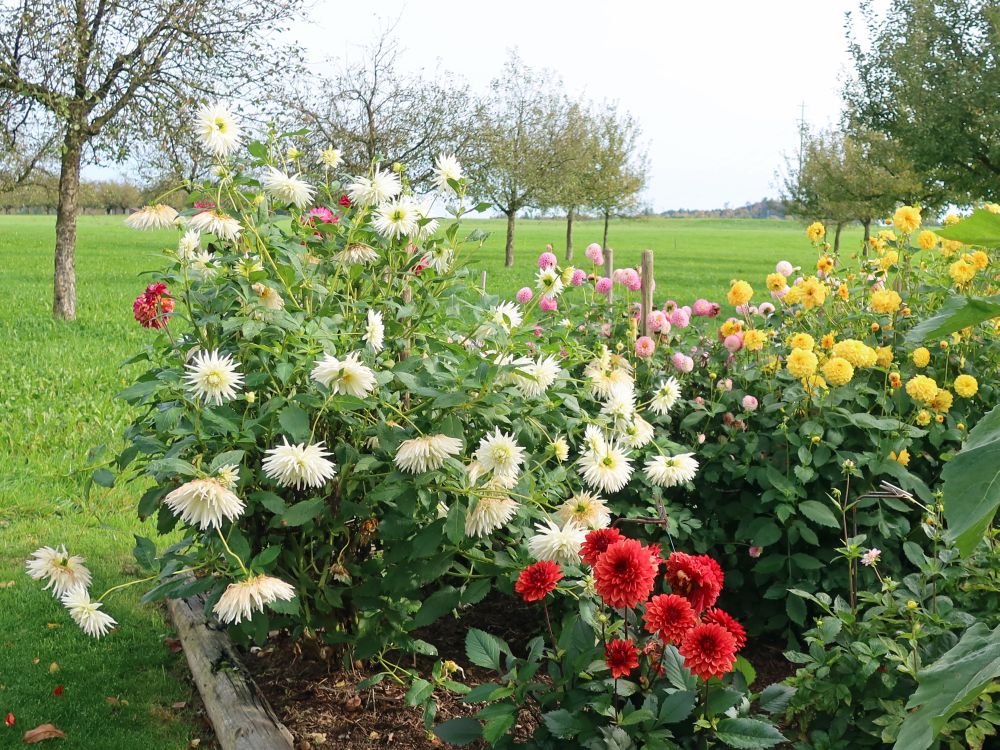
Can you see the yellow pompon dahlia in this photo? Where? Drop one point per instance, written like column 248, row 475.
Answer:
column 906, row 219
column 828, row 340
column 895, row 380
column 883, row 356
column 814, row 384
column 923, row 389
column 961, row 271
column 775, row 282
column 754, row 340
column 801, row 363
column 950, row 247
column 886, row 301
column 794, row 295
column 942, row 401
column 979, row 259
column 927, row 240
column 921, row 357
column 815, row 231
column 739, row 293
column 814, row 292
column 950, row 219
column 903, row 457
column 966, row 386
column 824, row 264
column 838, row 371
column 856, row 352
column 730, row 327
column 923, row 418
column 801, row 341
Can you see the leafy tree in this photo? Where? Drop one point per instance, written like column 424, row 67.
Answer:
column 100, row 72
column 370, row 110
column 516, row 159
column 930, row 80
column 847, row 177
column 620, row 167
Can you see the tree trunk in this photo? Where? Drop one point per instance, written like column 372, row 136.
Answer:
column 64, row 281
column 867, row 224
column 607, row 218
column 836, row 239
column 569, row 233
column 509, row 257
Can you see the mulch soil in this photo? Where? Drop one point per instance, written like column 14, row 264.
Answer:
column 317, row 699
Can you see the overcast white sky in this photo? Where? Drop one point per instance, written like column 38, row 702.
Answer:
column 717, row 84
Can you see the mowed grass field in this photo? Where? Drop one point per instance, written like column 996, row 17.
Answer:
column 57, row 382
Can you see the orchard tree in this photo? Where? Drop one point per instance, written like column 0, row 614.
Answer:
column 620, row 167
column 859, row 176
column 570, row 189
column 27, row 143
column 516, row 159
column 928, row 76
column 102, row 71
column 370, row 111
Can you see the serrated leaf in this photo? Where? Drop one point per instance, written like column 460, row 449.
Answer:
column 564, row 724
column 775, row 698
column 819, row 513
column 437, row 604
column 981, row 227
column 303, row 512
column 677, row 706
column 748, row 733
column 459, row 731
column 294, row 420
column 482, row 649
column 956, row 313
column 972, row 484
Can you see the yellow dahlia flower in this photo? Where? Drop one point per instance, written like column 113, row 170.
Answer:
column 966, row 386
column 815, row 231
column 923, row 389
column 927, row 240
column 838, row 371
column 801, row 341
column 739, row 293
column 886, row 301
column 906, row 219
column 921, row 357
column 801, row 363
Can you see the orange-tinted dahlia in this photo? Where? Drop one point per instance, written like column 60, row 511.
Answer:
column 670, row 616
column 698, row 578
column 624, row 574
column 596, row 542
column 726, row 620
column 536, row 581
column 709, row 650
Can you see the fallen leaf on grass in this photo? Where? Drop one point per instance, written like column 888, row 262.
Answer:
column 53, row 625
column 174, row 644
column 9, row 721
column 53, row 667
column 6, row 584
column 114, row 700
column 178, row 705
column 58, row 691
column 41, row 733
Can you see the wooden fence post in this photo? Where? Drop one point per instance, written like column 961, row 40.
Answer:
column 609, row 269
column 646, row 291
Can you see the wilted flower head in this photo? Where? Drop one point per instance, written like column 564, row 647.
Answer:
column 86, row 613
column 558, row 543
column 204, row 503
column 63, row 571
column 215, row 222
column 159, row 216
column 241, row 599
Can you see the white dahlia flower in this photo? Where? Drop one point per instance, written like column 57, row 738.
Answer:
column 86, row 613
column 426, row 453
column 213, row 377
column 348, row 375
column 299, row 465
column 63, row 570
column 205, row 503
column 241, row 599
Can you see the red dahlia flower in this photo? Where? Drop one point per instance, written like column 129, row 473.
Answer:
column 345, row 201
column 670, row 616
column 726, row 620
column 708, row 650
column 536, row 581
column 621, row 656
column 698, row 578
column 596, row 542
column 625, row 573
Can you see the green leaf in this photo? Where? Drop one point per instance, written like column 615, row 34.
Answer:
column 949, row 684
column 303, row 512
column 498, row 726
column 144, row 552
column 138, row 391
column 295, row 422
column 437, row 604
column 482, row 649
column 956, row 313
column 224, row 459
column 677, row 706
column 419, row 692
column 819, row 513
column 748, row 733
column 775, row 698
column 673, row 666
column 982, row 228
column 564, row 724
column 972, row 484
column 796, row 609
column 459, row 731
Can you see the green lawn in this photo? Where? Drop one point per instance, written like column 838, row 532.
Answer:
column 56, row 386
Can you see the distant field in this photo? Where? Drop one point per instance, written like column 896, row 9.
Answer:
column 56, row 386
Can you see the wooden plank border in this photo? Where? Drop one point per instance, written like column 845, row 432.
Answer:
column 241, row 716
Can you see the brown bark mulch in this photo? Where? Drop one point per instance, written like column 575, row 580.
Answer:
column 316, row 696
